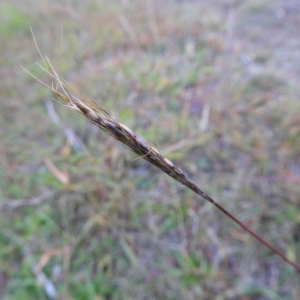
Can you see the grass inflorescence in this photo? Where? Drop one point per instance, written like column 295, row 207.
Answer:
column 108, row 123
column 84, row 218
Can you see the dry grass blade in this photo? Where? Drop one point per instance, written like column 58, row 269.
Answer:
column 95, row 114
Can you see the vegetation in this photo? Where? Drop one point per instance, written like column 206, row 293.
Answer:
column 83, row 218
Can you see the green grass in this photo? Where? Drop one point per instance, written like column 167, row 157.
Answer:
column 120, row 229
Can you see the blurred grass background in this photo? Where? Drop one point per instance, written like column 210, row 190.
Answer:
column 215, row 86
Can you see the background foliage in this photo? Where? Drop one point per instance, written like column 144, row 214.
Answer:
column 215, row 86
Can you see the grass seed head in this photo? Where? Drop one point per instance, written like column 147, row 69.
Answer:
column 98, row 116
